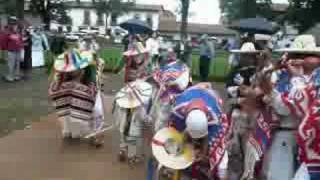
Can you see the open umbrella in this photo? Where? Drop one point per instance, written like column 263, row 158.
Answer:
column 254, row 26
column 136, row 26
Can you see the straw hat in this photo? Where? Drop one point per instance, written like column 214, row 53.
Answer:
column 134, row 94
column 247, row 48
column 137, row 49
column 169, row 149
column 303, row 44
column 73, row 60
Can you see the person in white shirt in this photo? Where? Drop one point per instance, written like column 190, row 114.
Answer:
column 152, row 45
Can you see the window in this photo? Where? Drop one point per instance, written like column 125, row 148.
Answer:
column 149, row 20
column 137, row 16
column 100, row 21
column 86, row 18
column 114, row 20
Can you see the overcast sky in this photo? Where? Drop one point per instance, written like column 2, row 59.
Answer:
column 203, row 11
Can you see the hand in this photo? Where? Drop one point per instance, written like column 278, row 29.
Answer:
column 295, row 68
column 247, row 91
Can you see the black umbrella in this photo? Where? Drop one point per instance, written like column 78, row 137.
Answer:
column 255, row 26
column 136, row 26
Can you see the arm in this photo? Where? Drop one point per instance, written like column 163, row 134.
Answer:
column 286, row 104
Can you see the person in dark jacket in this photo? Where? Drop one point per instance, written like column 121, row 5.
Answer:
column 26, row 65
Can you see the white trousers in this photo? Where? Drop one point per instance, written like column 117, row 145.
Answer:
column 38, row 59
column 279, row 160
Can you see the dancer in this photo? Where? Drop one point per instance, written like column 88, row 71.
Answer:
column 73, row 91
column 300, row 101
column 242, row 75
column 198, row 113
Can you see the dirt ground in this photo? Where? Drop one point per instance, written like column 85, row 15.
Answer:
column 31, row 147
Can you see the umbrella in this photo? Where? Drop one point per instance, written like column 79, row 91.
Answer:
column 254, row 25
column 136, row 26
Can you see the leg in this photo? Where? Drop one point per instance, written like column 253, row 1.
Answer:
column 281, row 154
column 11, row 66
column 206, row 69
column 236, row 156
column 201, row 68
column 17, row 65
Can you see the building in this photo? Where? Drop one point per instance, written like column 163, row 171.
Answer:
column 171, row 30
column 83, row 13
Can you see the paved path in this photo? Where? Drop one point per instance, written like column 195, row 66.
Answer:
column 38, row 153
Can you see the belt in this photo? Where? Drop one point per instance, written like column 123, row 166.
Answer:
column 285, row 129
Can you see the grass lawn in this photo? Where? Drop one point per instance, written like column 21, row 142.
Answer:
column 218, row 70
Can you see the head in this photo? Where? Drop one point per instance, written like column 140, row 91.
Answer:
column 310, row 61
column 197, row 124
column 154, row 34
column 248, row 59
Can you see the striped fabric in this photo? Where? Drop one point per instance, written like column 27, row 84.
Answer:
column 73, row 99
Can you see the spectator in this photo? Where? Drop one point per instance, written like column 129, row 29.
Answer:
column 58, row 43
column 152, row 45
column 39, row 45
column 206, row 54
column 27, row 58
column 187, row 56
column 89, row 44
column 13, row 43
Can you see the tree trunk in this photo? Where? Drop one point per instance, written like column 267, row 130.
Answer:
column 20, row 9
column 107, row 25
column 46, row 14
column 184, row 19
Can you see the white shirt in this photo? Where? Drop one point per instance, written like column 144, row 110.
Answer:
column 153, row 46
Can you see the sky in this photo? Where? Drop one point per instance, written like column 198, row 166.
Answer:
column 202, row 11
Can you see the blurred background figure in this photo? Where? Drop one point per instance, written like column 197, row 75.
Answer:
column 26, row 64
column 89, row 44
column 152, row 45
column 187, row 55
column 58, row 42
column 39, row 46
column 13, row 44
column 207, row 52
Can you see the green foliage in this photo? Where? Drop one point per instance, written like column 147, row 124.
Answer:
column 304, row 13
column 238, row 9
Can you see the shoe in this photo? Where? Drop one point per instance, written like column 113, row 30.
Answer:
column 7, row 79
column 17, row 78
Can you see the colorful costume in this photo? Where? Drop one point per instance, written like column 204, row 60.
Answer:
column 73, row 97
column 206, row 100
column 136, row 62
column 172, row 79
column 132, row 104
column 243, row 75
column 301, row 101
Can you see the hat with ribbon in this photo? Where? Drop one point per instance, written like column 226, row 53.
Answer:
column 303, row 44
column 134, row 94
column 169, row 148
column 246, row 48
column 136, row 49
column 73, row 60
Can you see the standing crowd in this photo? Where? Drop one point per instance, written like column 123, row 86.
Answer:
column 23, row 48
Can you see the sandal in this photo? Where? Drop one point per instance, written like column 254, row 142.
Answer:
column 135, row 160
column 122, row 156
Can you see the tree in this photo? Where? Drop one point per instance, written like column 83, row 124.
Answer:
column 237, row 9
column 185, row 5
column 20, row 9
column 50, row 10
column 112, row 8
column 304, row 13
